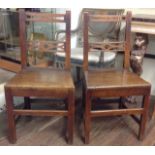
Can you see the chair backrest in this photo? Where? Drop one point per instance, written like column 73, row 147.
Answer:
column 100, row 31
column 107, row 46
column 43, row 45
column 108, row 29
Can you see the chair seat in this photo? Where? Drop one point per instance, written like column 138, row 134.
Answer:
column 113, row 79
column 42, row 79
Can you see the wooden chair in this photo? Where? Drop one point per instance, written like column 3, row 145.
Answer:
column 112, row 83
column 41, row 82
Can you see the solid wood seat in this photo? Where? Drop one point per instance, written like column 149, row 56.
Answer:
column 42, row 78
column 113, row 79
column 33, row 82
column 111, row 83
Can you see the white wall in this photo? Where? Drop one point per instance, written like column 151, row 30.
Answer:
column 147, row 11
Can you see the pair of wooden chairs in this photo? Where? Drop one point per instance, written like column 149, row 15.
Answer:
column 54, row 83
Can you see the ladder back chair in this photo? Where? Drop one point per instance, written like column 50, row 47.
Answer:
column 41, row 82
column 111, row 82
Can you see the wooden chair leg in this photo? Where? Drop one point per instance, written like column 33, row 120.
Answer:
column 144, row 117
column 71, row 113
column 27, row 104
column 120, row 106
column 10, row 116
column 87, row 120
column 78, row 70
column 83, row 101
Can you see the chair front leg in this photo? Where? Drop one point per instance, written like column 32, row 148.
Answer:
column 71, row 116
column 144, row 116
column 10, row 116
column 87, row 121
column 27, row 104
column 121, row 102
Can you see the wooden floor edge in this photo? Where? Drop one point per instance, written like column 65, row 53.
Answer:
column 10, row 66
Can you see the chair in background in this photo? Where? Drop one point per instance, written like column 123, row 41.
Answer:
column 41, row 82
column 97, row 32
column 112, row 83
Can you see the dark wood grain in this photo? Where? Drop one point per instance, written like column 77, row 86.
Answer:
column 44, row 17
column 105, row 18
column 113, row 83
column 85, row 42
column 22, row 36
column 105, row 131
column 41, row 82
column 10, row 116
column 68, row 40
column 127, row 41
column 11, row 66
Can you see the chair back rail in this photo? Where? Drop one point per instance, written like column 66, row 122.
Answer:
column 46, row 46
column 43, row 45
column 44, row 17
column 108, row 46
column 105, row 18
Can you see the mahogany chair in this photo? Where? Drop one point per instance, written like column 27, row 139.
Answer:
column 41, row 82
column 111, row 82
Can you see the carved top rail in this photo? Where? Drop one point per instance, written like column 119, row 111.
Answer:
column 105, row 18
column 46, row 46
column 44, row 17
column 107, row 46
